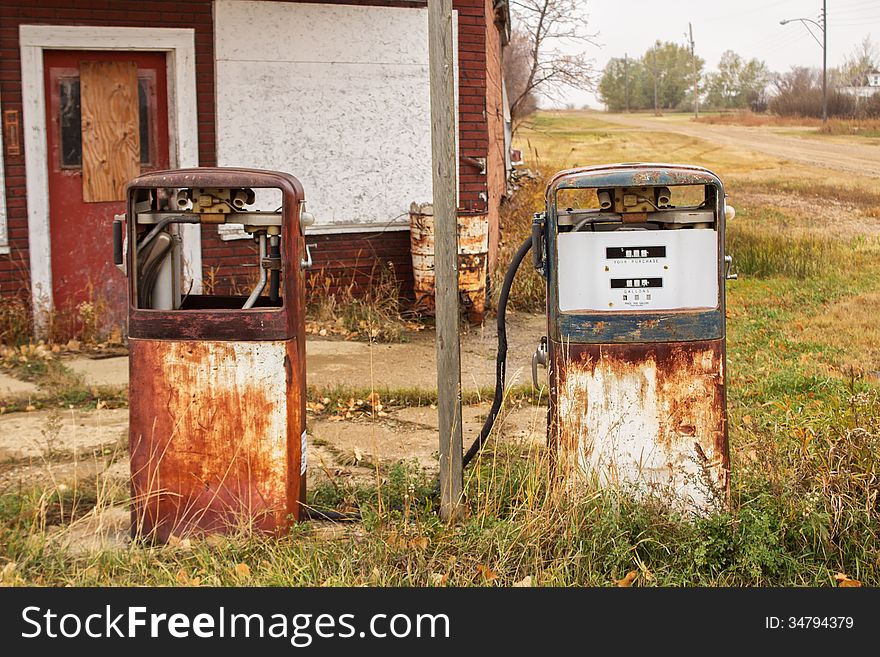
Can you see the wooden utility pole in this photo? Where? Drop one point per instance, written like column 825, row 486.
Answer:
column 440, row 45
column 626, row 82
column 694, row 65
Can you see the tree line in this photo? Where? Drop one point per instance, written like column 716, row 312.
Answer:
column 662, row 78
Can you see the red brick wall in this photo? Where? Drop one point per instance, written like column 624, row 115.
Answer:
column 336, row 254
column 14, row 268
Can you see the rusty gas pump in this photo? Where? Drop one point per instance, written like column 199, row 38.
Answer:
column 633, row 256
column 217, row 382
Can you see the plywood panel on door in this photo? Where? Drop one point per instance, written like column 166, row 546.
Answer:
column 110, row 129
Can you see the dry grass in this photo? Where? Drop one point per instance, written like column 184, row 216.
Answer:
column 334, row 308
column 861, row 127
column 557, row 140
column 851, row 327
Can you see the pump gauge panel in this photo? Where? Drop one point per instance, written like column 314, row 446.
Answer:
column 628, row 270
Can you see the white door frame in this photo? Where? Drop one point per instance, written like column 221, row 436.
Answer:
column 183, row 143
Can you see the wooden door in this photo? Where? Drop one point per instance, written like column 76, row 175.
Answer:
column 107, row 122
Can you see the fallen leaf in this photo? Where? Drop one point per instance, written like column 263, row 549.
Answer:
column 185, row 580
column 845, row 581
column 438, row 579
column 179, row 543
column 215, row 540
column 525, row 582
column 628, row 579
column 8, row 571
column 487, row 573
column 242, row 571
column 30, row 407
column 420, row 543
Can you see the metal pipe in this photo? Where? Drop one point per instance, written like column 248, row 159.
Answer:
column 274, row 274
column 261, row 284
column 160, row 226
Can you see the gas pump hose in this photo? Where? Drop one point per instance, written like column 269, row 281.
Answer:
column 501, row 357
column 500, row 369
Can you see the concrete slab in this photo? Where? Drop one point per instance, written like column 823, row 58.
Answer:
column 10, row 387
column 104, row 528
column 49, row 434
column 413, row 364
column 101, row 371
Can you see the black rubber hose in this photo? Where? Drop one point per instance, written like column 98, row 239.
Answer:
column 310, row 513
column 501, row 357
column 500, row 367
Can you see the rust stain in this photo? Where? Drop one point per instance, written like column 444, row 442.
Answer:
column 644, row 417
column 214, row 436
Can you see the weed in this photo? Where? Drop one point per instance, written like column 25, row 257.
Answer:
column 760, row 252
column 335, row 307
column 15, row 321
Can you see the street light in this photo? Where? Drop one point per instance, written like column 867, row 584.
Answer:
column 824, row 45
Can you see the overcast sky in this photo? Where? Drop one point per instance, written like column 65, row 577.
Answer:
column 749, row 27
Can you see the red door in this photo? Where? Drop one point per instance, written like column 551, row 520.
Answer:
column 107, row 120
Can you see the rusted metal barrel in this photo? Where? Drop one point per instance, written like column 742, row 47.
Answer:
column 473, row 259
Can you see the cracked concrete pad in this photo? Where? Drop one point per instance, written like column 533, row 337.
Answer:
column 104, row 528
column 413, row 364
column 65, row 432
column 472, row 420
column 528, row 423
column 357, row 442
column 101, row 371
column 12, row 387
column 411, row 433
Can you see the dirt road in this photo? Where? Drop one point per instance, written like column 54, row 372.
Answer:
column 859, row 159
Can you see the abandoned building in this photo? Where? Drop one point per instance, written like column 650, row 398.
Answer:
column 336, row 93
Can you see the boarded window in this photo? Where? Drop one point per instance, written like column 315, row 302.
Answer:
column 111, row 149
column 70, row 119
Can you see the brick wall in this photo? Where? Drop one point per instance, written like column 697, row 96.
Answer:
column 14, row 268
column 337, row 254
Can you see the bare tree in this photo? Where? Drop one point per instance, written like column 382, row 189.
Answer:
column 548, row 25
column 517, row 67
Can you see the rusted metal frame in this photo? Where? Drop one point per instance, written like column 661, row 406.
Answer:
column 633, row 327
column 257, row 323
column 684, row 385
column 634, row 175
column 658, row 344
column 206, row 457
column 667, row 326
column 268, row 498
